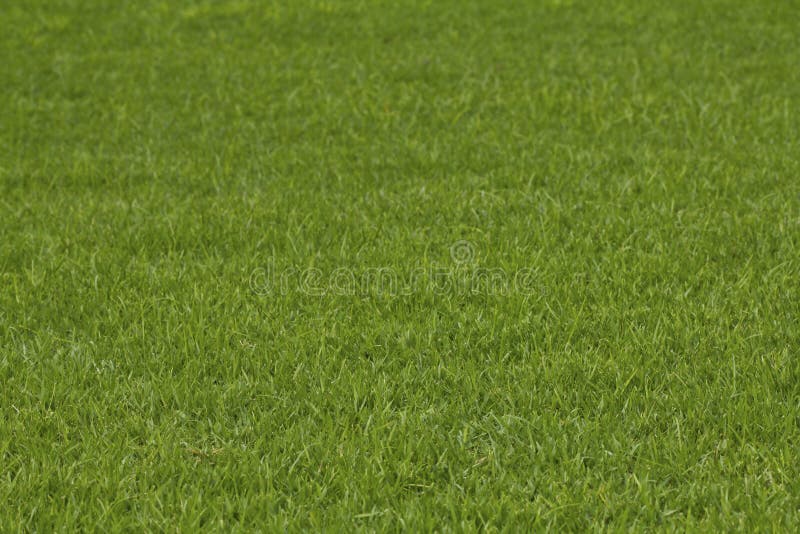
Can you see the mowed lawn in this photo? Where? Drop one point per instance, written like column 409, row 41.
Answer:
column 188, row 191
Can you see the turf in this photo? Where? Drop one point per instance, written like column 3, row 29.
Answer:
column 238, row 242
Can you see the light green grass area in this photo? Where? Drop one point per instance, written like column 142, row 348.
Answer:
column 171, row 172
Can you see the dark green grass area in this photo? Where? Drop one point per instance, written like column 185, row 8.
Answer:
column 160, row 160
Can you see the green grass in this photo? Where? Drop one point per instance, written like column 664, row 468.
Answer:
column 638, row 159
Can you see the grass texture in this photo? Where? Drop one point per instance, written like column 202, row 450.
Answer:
column 188, row 191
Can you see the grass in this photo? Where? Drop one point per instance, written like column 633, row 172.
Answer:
column 164, row 164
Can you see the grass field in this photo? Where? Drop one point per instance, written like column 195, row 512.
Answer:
column 427, row 265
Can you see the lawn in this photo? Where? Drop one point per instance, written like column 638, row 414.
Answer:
column 443, row 265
